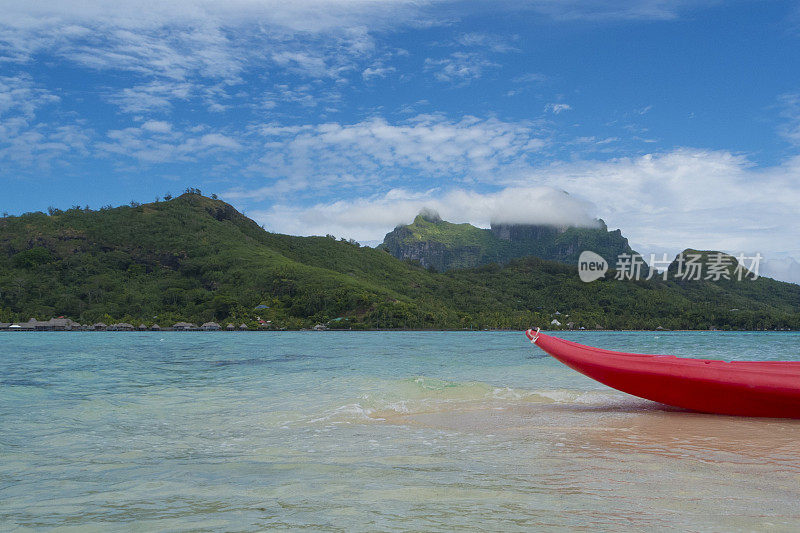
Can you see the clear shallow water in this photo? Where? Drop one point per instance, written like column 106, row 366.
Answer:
column 374, row 431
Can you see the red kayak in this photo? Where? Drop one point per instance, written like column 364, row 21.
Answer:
column 741, row 388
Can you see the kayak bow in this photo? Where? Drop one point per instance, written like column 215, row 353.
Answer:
column 741, row 388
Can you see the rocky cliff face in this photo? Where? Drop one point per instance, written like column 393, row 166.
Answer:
column 525, row 232
column 443, row 245
column 405, row 243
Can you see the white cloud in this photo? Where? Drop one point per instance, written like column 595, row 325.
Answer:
column 174, row 51
column 376, row 72
column 150, row 97
column 599, row 10
column 492, row 43
column 428, row 148
column 313, row 16
column 790, row 112
column 20, row 96
column 306, row 95
column 26, row 140
column 557, row 108
column 688, row 198
column 183, row 39
column 171, row 50
column 158, row 142
column 782, row 268
column 369, row 219
column 459, row 67
column 158, row 126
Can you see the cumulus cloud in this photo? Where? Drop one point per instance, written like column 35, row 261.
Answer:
column 782, row 268
column 688, row 198
column 369, row 219
column 538, row 205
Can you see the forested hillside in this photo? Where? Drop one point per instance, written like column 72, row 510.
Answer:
column 198, row 259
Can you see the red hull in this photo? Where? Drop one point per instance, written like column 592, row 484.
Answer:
column 742, row 388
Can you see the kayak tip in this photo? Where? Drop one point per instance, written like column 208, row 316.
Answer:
column 532, row 335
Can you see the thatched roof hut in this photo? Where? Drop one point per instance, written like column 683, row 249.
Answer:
column 243, row 327
column 155, row 327
column 210, row 326
column 100, row 326
column 183, row 326
column 142, row 327
column 58, row 324
column 230, row 327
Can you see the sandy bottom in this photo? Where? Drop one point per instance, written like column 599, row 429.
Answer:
column 649, row 467
column 633, row 426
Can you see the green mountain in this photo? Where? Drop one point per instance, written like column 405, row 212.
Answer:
column 197, row 259
column 442, row 245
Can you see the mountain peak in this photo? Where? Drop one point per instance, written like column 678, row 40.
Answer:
column 703, row 259
column 443, row 245
column 429, row 215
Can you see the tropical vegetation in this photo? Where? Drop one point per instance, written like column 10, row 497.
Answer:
column 198, row 259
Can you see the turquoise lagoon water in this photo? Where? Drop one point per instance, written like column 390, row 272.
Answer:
column 374, row 431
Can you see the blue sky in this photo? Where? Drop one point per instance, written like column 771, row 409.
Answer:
column 678, row 122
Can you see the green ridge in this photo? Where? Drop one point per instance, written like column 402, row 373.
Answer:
column 197, row 259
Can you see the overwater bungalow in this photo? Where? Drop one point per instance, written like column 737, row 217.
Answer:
column 100, row 326
column 230, row 327
column 184, row 326
column 60, row 324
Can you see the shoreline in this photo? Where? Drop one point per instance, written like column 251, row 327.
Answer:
column 171, row 330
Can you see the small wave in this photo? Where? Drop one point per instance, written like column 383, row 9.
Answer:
column 422, row 394
column 583, row 397
column 348, row 412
